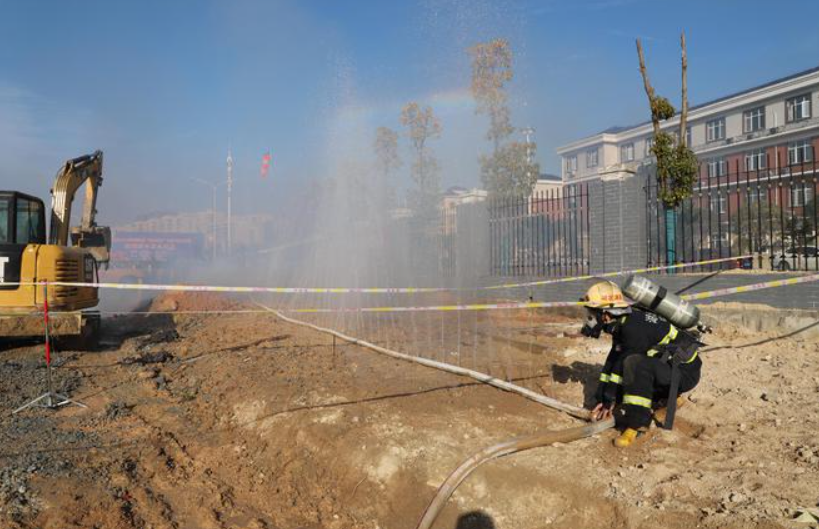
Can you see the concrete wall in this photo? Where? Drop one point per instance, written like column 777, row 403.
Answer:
column 617, row 222
column 472, row 244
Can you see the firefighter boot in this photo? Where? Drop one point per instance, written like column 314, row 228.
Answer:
column 625, row 439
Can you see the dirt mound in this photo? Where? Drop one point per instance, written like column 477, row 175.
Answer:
column 193, row 301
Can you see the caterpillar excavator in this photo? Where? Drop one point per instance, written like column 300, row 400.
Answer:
column 65, row 255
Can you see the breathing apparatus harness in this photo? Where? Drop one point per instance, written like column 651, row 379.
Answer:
column 682, row 343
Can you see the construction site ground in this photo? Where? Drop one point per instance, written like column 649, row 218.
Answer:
column 245, row 421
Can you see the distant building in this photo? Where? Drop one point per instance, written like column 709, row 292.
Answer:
column 768, row 131
column 546, row 184
column 248, row 231
column 454, row 197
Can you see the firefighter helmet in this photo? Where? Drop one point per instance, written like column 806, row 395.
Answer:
column 604, row 295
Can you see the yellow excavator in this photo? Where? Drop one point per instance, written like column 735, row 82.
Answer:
column 65, row 255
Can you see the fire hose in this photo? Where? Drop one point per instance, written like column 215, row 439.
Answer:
column 503, row 449
column 499, row 450
column 574, row 411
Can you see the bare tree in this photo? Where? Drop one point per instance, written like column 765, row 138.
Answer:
column 422, row 126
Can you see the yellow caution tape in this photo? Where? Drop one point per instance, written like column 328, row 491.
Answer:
column 751, row 288
column 506, row 306
column 362, row 290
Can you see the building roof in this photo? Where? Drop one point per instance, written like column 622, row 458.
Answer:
column 617, row 129
column 456, row 190
column 548, row 177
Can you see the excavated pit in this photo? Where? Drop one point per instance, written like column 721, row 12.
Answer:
column 244, row 421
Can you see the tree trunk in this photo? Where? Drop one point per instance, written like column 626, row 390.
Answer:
column 684, row 111
column 649, row 90
column 670, row 237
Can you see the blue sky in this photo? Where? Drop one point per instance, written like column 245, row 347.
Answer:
column 164, row 88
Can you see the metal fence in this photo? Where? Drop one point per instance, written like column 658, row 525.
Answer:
column 546, row 234
column 735, row 211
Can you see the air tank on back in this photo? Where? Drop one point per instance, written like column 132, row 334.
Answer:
column 656, row 298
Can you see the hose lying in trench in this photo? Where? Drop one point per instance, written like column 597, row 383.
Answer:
column 574, row 411
column 492, row 452
column 502, row 449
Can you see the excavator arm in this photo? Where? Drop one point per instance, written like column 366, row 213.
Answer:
column 83, row 170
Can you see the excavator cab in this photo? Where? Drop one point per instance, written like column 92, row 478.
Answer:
column 22, row 222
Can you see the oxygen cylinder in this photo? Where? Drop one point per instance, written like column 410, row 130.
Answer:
column 656, row 298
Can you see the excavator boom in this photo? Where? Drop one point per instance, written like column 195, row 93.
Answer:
column 83, row 170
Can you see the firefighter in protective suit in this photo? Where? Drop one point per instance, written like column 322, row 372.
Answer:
column 646, row 350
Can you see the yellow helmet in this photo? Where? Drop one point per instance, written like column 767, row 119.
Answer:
column 604, row 295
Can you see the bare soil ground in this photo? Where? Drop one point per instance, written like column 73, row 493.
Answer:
column 244, row 421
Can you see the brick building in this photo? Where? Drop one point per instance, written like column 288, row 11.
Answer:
column 766, row 132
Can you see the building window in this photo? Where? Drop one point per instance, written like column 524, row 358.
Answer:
column 801, row 196
column 754, row 119
column 717, row 168
column 592, row 158
column 800, row 152
column 715, row 130
column 627, row 153
column 571, row 192
column 756, row 160
column 798, row 108
column 649, row 146
column 688, row 136
column 758, row 195
column 718, row 204
column 571, row 164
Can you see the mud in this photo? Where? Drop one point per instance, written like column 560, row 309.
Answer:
column 255, row 423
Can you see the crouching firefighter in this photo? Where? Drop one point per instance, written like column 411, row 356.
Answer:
column 651, row 360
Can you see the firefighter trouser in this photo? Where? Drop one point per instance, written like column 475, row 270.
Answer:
column 647, row 379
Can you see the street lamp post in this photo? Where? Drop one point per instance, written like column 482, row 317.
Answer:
column 528, row 132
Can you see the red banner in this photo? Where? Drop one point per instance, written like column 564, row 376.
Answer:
column 265, row 164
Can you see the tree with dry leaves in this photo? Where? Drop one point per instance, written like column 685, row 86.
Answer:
column 513, row 175
column 508, row 172
column 386, row 151
column 422, row 126
column 491, row 71
column 387, row 160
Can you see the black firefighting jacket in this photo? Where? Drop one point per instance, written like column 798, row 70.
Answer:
column 640, row 332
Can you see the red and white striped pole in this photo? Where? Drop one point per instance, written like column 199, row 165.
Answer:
column 47, row 345
column 50, row 399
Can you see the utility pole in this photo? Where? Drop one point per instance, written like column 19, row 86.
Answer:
column 229, row 212
column 527, row 133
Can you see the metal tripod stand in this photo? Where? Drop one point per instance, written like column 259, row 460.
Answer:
column 50, row 399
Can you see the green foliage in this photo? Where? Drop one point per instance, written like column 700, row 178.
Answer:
column 662, row 109
column 677, row 169
column 677, row 165
column 506, row 173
